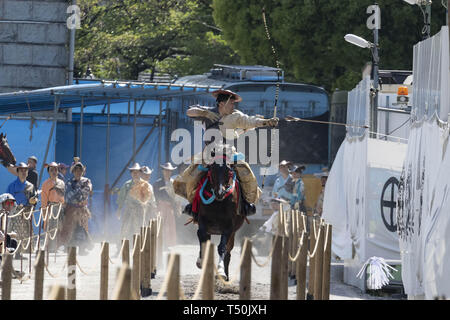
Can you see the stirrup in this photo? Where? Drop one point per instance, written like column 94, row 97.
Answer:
column 188, row 210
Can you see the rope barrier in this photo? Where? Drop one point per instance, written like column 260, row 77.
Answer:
column 298, row 250
column 51, row 274
column 316, row 245
column 326, row 238
column 262, row 265
column 145, row 239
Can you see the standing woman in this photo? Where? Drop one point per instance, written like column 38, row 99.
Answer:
column 76, row 217
column 52, row 197
column 150, row 209
column 132, row 202
column 166, row 201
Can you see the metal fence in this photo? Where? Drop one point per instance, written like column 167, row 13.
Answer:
column 431, row 77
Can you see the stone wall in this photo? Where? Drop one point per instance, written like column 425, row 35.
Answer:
column 34, row 44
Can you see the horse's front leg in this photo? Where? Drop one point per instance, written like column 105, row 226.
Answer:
column 203, row 236
column 221, row 249
column 227, row 257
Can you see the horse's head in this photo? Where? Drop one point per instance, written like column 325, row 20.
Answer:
column 6, row 155
column 221, row 178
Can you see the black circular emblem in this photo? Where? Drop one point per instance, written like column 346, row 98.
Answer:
column 389, row 203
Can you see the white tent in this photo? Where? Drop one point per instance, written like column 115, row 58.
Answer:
column 360, row 199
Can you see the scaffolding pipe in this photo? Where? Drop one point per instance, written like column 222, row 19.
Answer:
column 55, row 111
column 107, row 190
column 160, row 133
column 81, row 128
column 134, row 128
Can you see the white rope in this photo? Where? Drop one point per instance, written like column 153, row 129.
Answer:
column 316, row 244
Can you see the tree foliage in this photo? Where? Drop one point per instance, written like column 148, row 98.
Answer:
column 309, row 36
column 119, row 39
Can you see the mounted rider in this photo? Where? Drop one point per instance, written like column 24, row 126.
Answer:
column 231, row 123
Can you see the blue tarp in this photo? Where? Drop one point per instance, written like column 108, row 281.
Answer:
column 18, row 135
column 94, row 157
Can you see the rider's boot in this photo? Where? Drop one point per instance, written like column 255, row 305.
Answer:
column 188, row 210
column 249, row 209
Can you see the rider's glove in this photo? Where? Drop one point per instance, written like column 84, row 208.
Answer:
column 273, row 122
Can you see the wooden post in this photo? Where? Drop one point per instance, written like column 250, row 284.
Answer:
column 284, row 269
column 39, row 276
column 146, row 288
column 208, row 270
column 246, row 271
column 319, row 264
column 173, row 274
column 312, row 265
column 159, row 239
column 71, row 274
column 327, row 265
column 122, row 290
column 104, row 271
column 126, row 251
column 153, row 248
column 141, row 258
column 301, row 268
column 275, row 278
column 135, row 276
column 7, row 269
column 57, row 292
column 294, row 242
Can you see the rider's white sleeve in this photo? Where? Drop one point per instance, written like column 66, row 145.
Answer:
column 239, row 120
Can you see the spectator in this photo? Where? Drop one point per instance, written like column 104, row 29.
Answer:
column 25, row 195
column 8, row 205
column 75, row 230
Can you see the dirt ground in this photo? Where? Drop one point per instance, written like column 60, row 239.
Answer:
column 88, row 276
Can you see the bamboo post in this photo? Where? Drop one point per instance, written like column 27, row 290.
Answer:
column 284, row 269
column 122, row 290
column 246, row 271
column 71, row 274
column 153, row 248
column 173, row 274
column 39, row 275
column 294, row 242
column 327, row 265
column 57, row 292
column 104, row 271
column 312, row 260
column 135, row 276
column 275, row 277
column 126, row 251
column 208, row 270
column 7, row 269
column 301, row 268
column 146, row 289
column 319, row 264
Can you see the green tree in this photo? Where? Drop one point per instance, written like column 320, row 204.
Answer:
column 309, row 36
column 119, row 39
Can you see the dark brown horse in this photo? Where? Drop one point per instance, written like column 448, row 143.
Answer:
column 218, row 211
column 6, row 155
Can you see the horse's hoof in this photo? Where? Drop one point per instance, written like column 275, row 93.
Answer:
column 199, row 263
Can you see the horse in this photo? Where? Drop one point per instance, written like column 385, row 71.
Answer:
column 6, row 155
column 218, row 212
